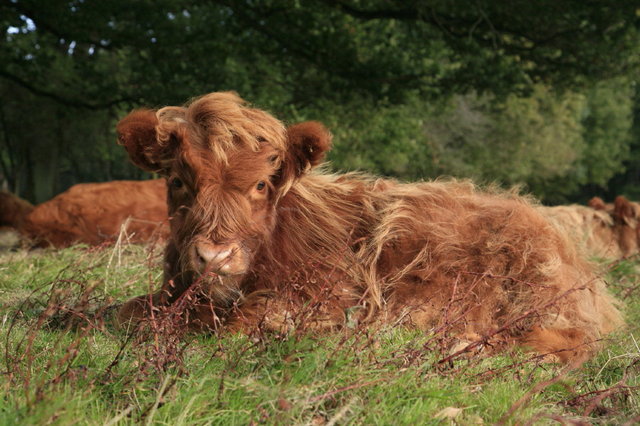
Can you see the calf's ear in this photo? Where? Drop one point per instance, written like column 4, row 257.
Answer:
column 138, row 134
column 307, row 145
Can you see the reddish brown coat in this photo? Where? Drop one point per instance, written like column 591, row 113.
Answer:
column 270, row 241
column 93, row 213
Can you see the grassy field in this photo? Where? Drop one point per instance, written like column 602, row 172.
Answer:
column 65, row 363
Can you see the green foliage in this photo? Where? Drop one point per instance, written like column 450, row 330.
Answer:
column 96, row 53
column 553, row 143
column 516, row 92
column 607, row 125
column 47, row 148
column 382, row 139
column 514, row 141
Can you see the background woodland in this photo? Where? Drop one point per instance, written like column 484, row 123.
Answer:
column 540, row 94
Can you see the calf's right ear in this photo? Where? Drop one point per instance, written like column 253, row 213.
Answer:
column 137, row 133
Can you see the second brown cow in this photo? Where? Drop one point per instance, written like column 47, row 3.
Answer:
column 604, row 231
column 93, row 213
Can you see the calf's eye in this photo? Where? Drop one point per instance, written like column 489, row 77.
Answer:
column 260, row 186
column 176, row 183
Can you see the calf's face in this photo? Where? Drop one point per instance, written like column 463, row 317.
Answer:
column 227, row 166
column 221, row 213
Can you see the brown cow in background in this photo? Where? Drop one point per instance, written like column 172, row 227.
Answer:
column 626, row 215
column 13, row 210
column 267, row 241
column 606, row 231
column 93, row 213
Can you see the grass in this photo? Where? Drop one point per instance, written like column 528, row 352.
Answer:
column 64, row 362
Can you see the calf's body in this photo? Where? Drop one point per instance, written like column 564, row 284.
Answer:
column 269, row 242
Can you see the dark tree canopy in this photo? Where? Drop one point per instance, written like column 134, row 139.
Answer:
column 297, row 58
column 97, row 54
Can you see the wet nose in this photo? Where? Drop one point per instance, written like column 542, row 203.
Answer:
column 212, row 257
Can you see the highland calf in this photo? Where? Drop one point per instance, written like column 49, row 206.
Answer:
column 263, row 237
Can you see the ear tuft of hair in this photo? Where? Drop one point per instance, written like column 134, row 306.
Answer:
column 309, row 142
column 596, row 203
column 137, row 133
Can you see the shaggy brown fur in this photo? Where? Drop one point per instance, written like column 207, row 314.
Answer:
column 596, row 231
column 13, row 210
column 267, row 239
column 93, row 213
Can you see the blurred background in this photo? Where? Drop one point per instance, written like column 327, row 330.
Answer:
column 538, row 93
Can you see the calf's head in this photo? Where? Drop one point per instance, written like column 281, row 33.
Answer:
column 227, row 166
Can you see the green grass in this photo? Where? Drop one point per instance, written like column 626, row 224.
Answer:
column 58, row 370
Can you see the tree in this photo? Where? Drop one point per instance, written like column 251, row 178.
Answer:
column 374, row 60
column 97, row 54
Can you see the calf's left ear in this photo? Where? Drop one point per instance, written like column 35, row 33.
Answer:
column 307, row 146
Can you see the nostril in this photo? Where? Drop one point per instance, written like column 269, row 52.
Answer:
column 200, row 258
column 210, row 256
column 205, row 253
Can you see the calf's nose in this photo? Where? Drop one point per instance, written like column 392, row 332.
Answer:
column 211, row 257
